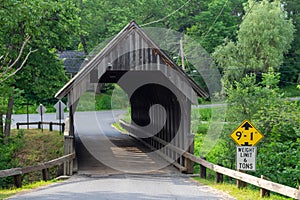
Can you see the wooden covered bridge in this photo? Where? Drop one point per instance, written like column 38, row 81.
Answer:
column 160, row 93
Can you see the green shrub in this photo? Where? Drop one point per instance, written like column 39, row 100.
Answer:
column 8, row 147
column 103, row 102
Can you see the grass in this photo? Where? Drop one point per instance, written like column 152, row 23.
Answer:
column 37, row 147
column 119, row 127
column 290, row 91
column 249, row 193
column 5, row 193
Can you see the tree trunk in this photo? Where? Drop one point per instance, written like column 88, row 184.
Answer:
column 82, row 38
column 83, row 42
column 1, row 124
column 8, row 116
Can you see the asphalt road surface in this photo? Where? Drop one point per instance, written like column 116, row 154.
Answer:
column 112, row 165
column 127, row 187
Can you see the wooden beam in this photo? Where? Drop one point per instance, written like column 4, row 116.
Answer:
column 24, row 170
column 10, row 172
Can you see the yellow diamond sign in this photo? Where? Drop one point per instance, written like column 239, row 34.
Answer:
column 246, row 134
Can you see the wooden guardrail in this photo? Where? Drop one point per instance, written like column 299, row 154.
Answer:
column 17, row 172
column 51, row 124
column 262, row 183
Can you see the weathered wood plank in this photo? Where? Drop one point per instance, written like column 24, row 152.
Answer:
column 269, row 185
column 24, row 170
column 10, row 172
column 168, row 159
column 60, row 160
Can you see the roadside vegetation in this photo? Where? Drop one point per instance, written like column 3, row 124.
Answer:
column 26, row 148
column 6, row 193
column 229, row 187
column 276, row 118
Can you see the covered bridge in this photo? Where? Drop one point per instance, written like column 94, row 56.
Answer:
column 160, row 92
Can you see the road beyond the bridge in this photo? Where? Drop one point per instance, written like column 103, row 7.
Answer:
column 115, row 166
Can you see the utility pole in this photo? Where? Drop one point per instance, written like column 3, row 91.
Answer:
column 182, row 54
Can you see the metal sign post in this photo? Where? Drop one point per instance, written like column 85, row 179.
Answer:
column 41, row 110
column 60, row 107
column 27, row 112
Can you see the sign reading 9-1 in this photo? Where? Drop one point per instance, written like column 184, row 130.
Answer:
column 246, row 134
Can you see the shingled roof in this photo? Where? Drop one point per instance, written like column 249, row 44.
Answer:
column 72, row 60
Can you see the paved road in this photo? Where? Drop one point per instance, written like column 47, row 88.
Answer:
column 131, row 187
column 102, row 149
column 114, row 166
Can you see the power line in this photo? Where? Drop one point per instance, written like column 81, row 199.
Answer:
column 165, row 17
column 250, row 10
column 221, row 11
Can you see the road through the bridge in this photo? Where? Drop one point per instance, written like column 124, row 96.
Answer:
column 112, row 165
column 101, row 149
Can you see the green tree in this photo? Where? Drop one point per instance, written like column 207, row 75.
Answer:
column 42, row 78
column 290, row 69
column 216, row 21
column 100, row 20
column 49, row 24
column 264, row 36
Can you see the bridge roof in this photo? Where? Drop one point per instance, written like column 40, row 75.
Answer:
column 99, row 62
column 72, row 60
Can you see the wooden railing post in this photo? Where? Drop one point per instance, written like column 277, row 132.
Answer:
column 18, row 126
column 45, row 173
column 188, row 163
column 203, row 170
column 18, row 180
column 239, row 183
column 219, row 176
column 63, row 127
column 69, row 148
column 51, row 126
column 264, row 192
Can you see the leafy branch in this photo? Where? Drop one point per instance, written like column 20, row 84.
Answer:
column 9, row 71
